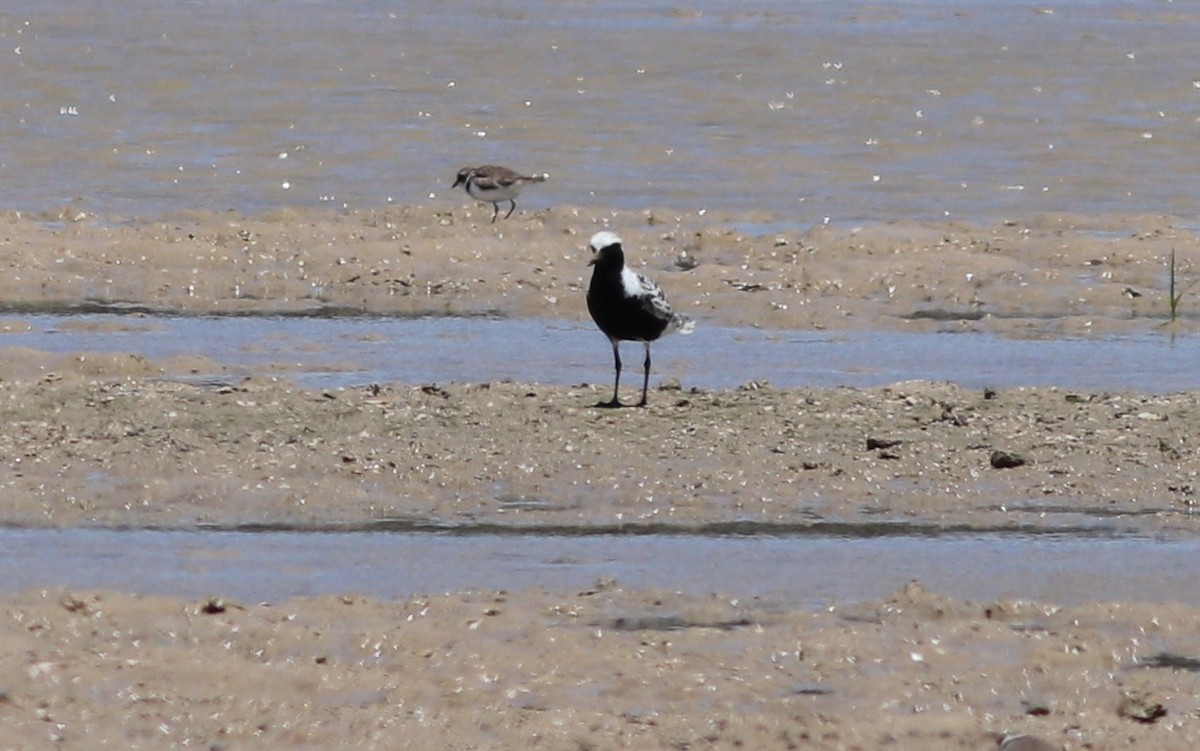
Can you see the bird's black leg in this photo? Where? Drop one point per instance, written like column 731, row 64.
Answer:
column 495, row 211
column 617, row 380
column 646, row 379
column 511, row 209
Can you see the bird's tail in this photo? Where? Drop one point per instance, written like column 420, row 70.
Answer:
column 539, row 178
column 681, row 323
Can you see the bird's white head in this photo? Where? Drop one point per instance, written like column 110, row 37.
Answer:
column 602, row 240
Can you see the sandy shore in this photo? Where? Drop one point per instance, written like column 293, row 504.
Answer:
column 122, row 450
column 595, row 669
column 122, row 441
column 1044, row 275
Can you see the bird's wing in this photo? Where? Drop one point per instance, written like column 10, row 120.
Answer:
column 495, row 177
column 654, row 300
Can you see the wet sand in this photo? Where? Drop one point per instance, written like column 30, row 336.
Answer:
column 121, row 441
column 1044, row 275
column 597, row 668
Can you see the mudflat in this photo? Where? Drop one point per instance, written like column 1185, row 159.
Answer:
column 122, row 441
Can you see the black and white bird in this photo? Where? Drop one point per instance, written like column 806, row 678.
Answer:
column 494, row 185
column 627, row 307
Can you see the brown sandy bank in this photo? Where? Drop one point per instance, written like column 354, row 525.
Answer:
column 1056, row 274
column 123, row 446
column 597, row 669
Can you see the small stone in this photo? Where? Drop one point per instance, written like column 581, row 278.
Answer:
column 1035, row 708
column 1139, row 706
column 73, row 604
column 1022, row 742
column 212, row 606
column 1006, row 459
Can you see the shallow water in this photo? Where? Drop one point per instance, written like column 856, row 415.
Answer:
column 805, row 570
column 344, row 352
column 850, row 109
column 792, row 567
column 1092, row 560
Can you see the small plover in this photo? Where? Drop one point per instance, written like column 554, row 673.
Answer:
column 627, row 307
column 492, row 184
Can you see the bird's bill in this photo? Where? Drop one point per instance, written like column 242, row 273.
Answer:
column 592, row 261
column 459, row 181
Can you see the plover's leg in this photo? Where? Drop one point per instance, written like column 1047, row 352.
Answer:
column 495, row 210
column 511, row 209
column 616, row 380
column 646, row 379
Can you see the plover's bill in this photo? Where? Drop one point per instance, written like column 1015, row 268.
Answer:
column 492, row 184
column 627, row 307
column 1021, row 742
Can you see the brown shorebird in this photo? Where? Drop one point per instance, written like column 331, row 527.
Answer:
column 492, row 184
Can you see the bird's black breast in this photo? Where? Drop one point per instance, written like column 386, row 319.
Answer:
column 619, row 315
